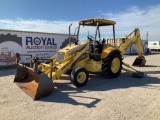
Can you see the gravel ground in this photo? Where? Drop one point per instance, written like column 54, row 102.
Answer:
column 122, row 98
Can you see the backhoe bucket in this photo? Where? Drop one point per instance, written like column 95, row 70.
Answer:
column 139, row 61
column 37, row 85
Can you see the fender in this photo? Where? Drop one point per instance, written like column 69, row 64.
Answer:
column 107, row 50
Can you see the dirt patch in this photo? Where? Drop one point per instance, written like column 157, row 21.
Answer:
column 121, row 98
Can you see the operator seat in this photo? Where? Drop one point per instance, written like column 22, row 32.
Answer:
column 99, row 45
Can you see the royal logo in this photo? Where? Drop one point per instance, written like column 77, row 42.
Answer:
column 40, row 41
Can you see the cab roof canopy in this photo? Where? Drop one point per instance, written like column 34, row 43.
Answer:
column 93, row 22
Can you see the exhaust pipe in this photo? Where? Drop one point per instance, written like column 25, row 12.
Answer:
column 70, row 34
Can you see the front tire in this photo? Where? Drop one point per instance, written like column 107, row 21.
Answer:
column 79, row 76
column 112, row 65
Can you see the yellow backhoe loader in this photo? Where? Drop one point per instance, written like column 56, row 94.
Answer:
column 79, row 59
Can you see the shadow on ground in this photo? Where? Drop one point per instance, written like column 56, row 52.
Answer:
column 5, row 71
column 64, row 91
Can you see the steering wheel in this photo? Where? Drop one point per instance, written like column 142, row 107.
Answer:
column 97, row 42
column 104, row 40
column 90, row 38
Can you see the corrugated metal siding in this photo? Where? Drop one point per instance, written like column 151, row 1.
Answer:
column 5, row 30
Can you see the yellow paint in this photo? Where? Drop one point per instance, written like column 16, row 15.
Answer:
column 93, row 66
column 81, row 77
column 107, row 50
column 115, row 65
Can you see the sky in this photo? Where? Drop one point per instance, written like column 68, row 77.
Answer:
column 56, row 15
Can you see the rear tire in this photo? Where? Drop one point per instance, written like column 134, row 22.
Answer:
column 79, row 76
column 112, row 65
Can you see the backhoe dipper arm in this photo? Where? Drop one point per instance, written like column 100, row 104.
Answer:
column 128, row 40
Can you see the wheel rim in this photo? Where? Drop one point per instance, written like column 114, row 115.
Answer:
column 81, row 77
column 115, row 65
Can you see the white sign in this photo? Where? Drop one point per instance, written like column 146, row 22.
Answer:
column 42, row 45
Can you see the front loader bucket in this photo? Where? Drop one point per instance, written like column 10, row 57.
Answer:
column 139, row 61
column 33, row 83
